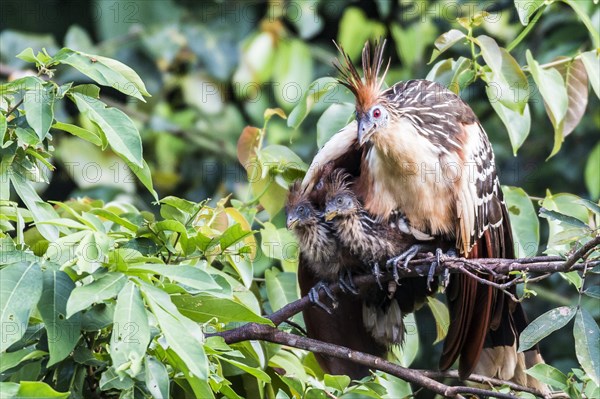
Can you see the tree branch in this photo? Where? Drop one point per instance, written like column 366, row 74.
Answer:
column 499, row 268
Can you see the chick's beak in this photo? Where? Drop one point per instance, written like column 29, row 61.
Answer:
column 291, row 222
column 330, row 214
column 365, row 131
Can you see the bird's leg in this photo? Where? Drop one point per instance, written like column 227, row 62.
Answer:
column 347, row 283
column 437, row 262
column 377, row 273
column 405, row 256
column 313, row 296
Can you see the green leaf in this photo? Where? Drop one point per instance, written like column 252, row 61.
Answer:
column 105, row 71
column 524, row 221
column 293, row 70
column 593, row 291
column 418, row 35
column 281, row 288
column 526, row 8
column 20, row 291
column 278, row 243
column 144, row 176
column 441, row 316
column 573, row 278
column 317, row 90
column 508, row 81
column 203, row 308
column 445, row 41
column 338, row 382
column 121, row 133
column 554, row 93
column 233, row 235
column 182, row 335
column 40, row 210
column 36, row 389
column 562, row 218
column 80, row 132
column 156, row 378
column 254, row 371
column 105, row 287
column 545, row 325
column 410, row 348
column 27, row 55
column 108, row 215
column 587, row 344
column 333, row 120
column 131, row 332
column 592, row 206
column 188, row 275
column 517, row 125
column 547, row 374
column 566, row 204
column 3, row 127
column 576, row 82
column 351, row 38
column 13, row 359
column 8, row 390
column 591, row 61
column 582, row 13
column 592, row 173
column 39, row 109
column 63, row 333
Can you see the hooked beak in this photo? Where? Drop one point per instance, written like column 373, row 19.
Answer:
column 291, row 222
column 365, row 131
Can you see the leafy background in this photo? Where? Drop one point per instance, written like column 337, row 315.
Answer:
column 214, row 68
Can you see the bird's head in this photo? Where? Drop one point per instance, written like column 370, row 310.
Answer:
column 342, row 204
column 370, row 121
column 300, row 212
column 371, row 112
column 340, row 199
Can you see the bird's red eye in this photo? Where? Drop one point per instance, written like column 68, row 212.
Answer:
column 376, row 112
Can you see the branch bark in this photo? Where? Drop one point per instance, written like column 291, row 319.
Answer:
column 500, row 268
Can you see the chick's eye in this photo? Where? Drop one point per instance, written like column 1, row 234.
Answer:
column 300, row 209
column 339, row 200
column 376, row 113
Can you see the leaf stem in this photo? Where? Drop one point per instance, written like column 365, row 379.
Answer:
column 527, row 29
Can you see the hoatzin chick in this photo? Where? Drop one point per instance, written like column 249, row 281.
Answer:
column 319, row 264
column 372, row 243
column 424, row 153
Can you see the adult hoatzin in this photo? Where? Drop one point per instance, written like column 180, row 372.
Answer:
column 418, row 149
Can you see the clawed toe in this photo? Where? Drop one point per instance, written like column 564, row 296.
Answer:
column 406, row 256
column 347, row 283
column 313, row 296
column 377, row 273
column 439, row 254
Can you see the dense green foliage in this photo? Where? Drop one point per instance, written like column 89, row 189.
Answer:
column 110, row 280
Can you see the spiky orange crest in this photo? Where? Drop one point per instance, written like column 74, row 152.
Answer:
column 365, row 90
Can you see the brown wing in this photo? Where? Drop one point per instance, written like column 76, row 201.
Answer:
column 480, row 315
column 344, row 327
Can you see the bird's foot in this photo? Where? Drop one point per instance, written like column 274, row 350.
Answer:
column 313, row 296
column 347, row 283
column 405, row 256
column 377, row 273
column 439, row 259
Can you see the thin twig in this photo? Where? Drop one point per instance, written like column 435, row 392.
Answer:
column 481, row 379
